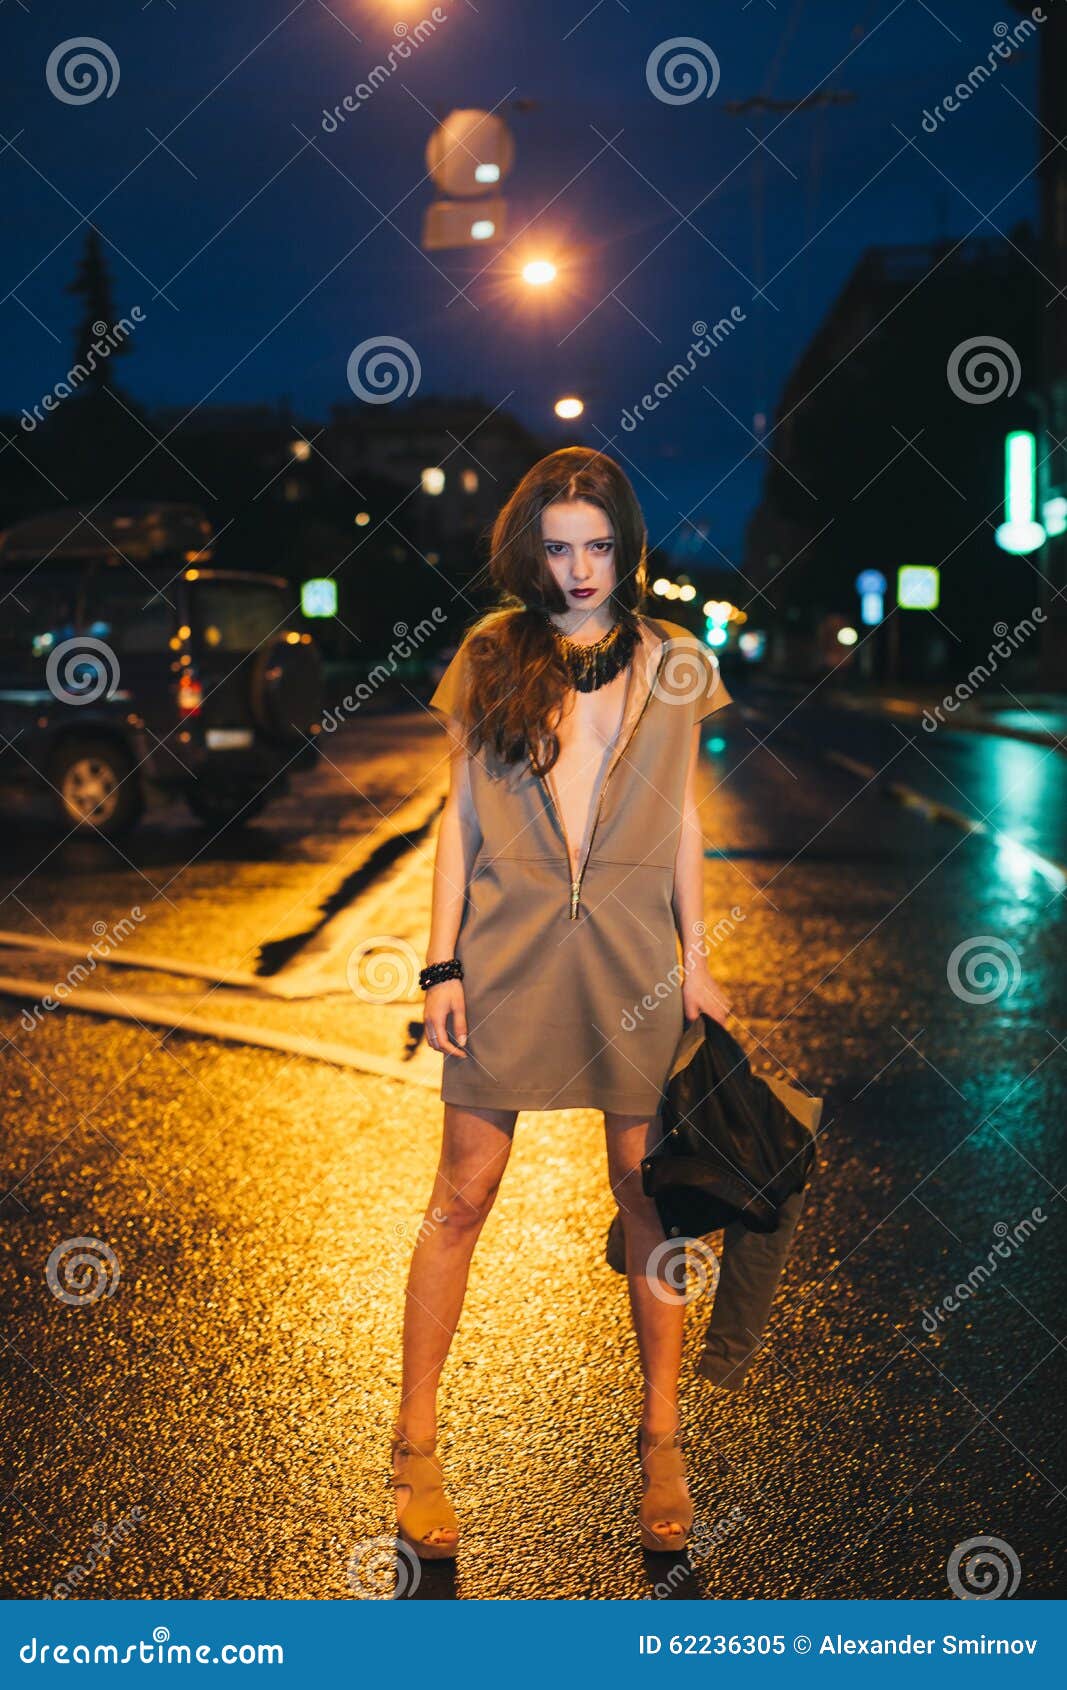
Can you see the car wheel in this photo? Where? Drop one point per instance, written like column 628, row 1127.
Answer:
column 97, row 785
column 216, row 808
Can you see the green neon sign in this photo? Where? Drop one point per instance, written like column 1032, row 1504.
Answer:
column 1020, row 533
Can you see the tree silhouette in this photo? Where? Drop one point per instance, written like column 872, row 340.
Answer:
column 93, row 283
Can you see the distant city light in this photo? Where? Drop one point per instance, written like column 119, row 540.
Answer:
column 487, row 173
column 483, row 229
column 468, row 480
column 362, row 519
column 1055, row 515
column 538, row 272
column 687, row 591
column 847, row 636
column 660, row 586
column 717, row 635
column 569, row 407
column 872, row 609
column 300, row 450
column 433, row 481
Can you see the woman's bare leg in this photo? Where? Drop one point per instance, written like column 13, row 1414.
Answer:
column 658, row 1314
column 475, row 1147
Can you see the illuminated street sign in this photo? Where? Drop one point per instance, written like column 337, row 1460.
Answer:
column 918, row 586
column 319, row 598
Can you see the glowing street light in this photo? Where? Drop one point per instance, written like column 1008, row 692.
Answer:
column 569, row 407
column 539, row 272
column 1020, row 533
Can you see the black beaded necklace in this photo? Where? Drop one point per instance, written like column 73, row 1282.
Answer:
column 593, row 666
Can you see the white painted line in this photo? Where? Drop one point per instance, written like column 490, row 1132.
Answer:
column 126, row 1006
column 152, row 963
column 1054, row 872
column 852, row 764
column 935, row 811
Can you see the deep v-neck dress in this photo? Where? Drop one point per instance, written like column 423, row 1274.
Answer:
column 572, row 970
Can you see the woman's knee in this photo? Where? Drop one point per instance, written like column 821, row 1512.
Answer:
column 464, row 1205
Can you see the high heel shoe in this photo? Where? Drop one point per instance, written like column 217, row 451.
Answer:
column 427, row 1508
column 665, row 1497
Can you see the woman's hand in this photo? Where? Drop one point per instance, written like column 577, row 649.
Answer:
column 442, row 1000
column 700, row 995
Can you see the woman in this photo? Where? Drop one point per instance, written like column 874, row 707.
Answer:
column 569, row 864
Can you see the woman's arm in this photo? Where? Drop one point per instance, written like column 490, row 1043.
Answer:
column 699, row 990
column 458, row 839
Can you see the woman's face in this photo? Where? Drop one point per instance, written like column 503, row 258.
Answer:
column 579, row 542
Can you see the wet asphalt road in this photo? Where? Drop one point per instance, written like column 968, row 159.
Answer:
column 218, row 1420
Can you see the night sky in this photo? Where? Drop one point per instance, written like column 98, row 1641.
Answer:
column 259, row 227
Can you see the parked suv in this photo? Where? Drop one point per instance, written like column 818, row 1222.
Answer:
column 127, row 662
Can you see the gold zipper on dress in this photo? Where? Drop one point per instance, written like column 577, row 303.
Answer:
column 576, row 881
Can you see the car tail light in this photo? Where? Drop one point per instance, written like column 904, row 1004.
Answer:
column 190, row 695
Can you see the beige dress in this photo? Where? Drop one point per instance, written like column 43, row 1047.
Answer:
column 571, row 961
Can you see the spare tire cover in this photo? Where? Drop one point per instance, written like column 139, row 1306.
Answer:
column 286, row 690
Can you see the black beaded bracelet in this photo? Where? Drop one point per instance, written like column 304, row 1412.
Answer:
column 435, row 972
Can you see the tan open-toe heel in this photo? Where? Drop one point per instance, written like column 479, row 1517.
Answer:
column 665, row 1498
column 427, row 1509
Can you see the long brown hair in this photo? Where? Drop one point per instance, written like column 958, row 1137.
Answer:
column 515, row 678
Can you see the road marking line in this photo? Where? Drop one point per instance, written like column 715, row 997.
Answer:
column 934, row 811
column 866, row 770
column 127, row 1006
column 263, row 985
